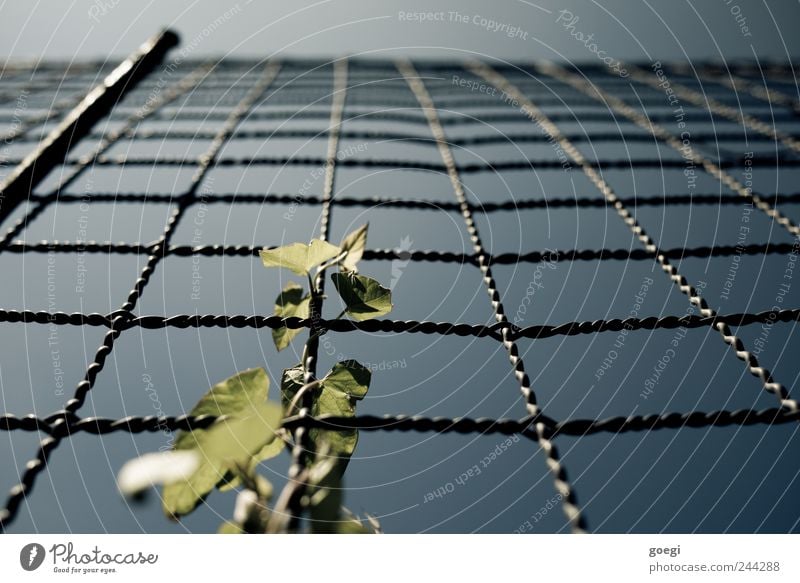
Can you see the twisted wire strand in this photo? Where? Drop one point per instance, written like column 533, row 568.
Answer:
column 122, row 320
column 715, row 106
column 550, row 129
column 122, row 160
column 686, row 150
column 48, row 444
column 562, row 75
column 391, row 136
column 569, row 500
column 404, row 117
column 24, row 127
column 428, row 255
column 431, row 204
column 737, row 83
column 35, row 466
column 64, row 423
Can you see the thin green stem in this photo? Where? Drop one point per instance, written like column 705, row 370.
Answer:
column 332, row 262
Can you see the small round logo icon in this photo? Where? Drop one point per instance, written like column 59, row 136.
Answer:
column 31, row 556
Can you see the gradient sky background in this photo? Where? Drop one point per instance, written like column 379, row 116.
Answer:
column 737, row 479
column 625, row 29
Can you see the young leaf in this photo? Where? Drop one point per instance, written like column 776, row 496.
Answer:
column 342, row 443
column 233, row 397
column 234, row 479
column 347, row 383
column 234, row 441
column 290, row 302
column 230, row 442
column 364, row 297
column 298, row 257
column 156, row 468
column 291, row 382
column 354, row 245
column 348, row 377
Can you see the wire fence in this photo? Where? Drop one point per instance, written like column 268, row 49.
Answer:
column 205, row 91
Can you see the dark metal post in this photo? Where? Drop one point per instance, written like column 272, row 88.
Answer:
column 53, row 150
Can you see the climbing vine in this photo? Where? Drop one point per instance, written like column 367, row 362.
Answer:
column 249, row 431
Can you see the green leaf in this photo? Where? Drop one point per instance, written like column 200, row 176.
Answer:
column 291, row 382
column 235, row 480
column 290, row 302
column 233, row 442
column 364, row 297
column 298, row 257
column 241, row 398
column 342, row 443
column 231, row 396
column 354, row 245
column 348, row 377
column 347, row 382
column 228, row 443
